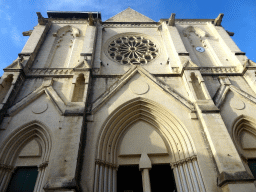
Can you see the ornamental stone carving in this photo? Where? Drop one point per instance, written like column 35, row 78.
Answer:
column 132, row 49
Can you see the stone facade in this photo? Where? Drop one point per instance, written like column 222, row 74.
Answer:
column 86, row 98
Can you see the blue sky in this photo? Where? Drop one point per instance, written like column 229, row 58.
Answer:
column 17, row 16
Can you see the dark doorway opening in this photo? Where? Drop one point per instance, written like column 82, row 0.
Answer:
column 162, row 178
column 129, row 179
column 23, row 179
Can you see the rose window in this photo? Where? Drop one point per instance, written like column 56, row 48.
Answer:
column 132, row 50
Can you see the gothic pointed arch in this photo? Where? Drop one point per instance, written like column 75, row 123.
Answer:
column 241, row 126
column 16, row 141
column 74, row 31
column 177, row 139
column 63, row 47
column 151, row 112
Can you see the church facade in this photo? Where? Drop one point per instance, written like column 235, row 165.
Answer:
column 128, row 104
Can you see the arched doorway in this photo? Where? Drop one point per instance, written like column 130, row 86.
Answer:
column 115, row 147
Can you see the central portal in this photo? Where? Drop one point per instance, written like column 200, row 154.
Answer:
column 162, row 178
column 129, row 179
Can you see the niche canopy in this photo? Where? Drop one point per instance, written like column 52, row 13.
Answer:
column 132, row 49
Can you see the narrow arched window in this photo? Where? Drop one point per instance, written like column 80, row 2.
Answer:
column 5, row 86
column 197, row 87
column 78, row 93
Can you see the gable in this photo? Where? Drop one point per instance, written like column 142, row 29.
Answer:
column 129, row 15
column 138, row 77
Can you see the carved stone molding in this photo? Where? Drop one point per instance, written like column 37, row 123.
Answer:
column 70, row 21
column 141, row 25
column 43, row 165
column 6, row 167
column 180, row 162
column 219, row 70
column 105, row 163
column 192, row 22
column 51, row 71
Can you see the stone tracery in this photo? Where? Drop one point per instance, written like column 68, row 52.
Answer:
column 132, row 49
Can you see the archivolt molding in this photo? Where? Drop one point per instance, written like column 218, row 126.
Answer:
column 125, row 78
column 240, row 124
column 176, row 137
column 12, row 146
column 20, row 137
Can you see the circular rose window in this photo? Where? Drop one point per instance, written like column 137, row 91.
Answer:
column 132, row 49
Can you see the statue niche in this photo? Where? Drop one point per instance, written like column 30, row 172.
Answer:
column 78, row 93
column 63, row 46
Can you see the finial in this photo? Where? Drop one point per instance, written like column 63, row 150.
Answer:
column 218, row 20
column 171, row 21
column 41, row 19
column 91, row 20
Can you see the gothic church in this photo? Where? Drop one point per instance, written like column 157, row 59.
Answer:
column 128, row 105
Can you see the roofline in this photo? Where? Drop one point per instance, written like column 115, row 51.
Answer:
column 74, row 14
column 203, row 20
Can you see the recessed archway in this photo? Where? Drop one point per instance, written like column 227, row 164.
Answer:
column 174, row 134
column 13, row 145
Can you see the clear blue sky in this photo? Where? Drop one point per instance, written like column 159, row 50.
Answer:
column 17, row 16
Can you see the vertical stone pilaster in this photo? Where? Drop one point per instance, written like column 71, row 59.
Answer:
column 177, row 46
column 88, row 49
column 228, row 44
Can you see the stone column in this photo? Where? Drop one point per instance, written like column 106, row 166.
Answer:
column 106, row 178
column 146, row 180
column 110, row 177
column 144, row 166
column 40, row 176
column 115, row 179
column 6, row 173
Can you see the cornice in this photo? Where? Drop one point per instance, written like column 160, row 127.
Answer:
column 64, row 21
column 129, row 24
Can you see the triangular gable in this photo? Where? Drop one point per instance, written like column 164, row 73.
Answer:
column 15, row 65
column 222, row 93
column 82, row 65
column 249, row 63
column 190, row 64
column 126, row 77
column 49, row 91
column 129, row 15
